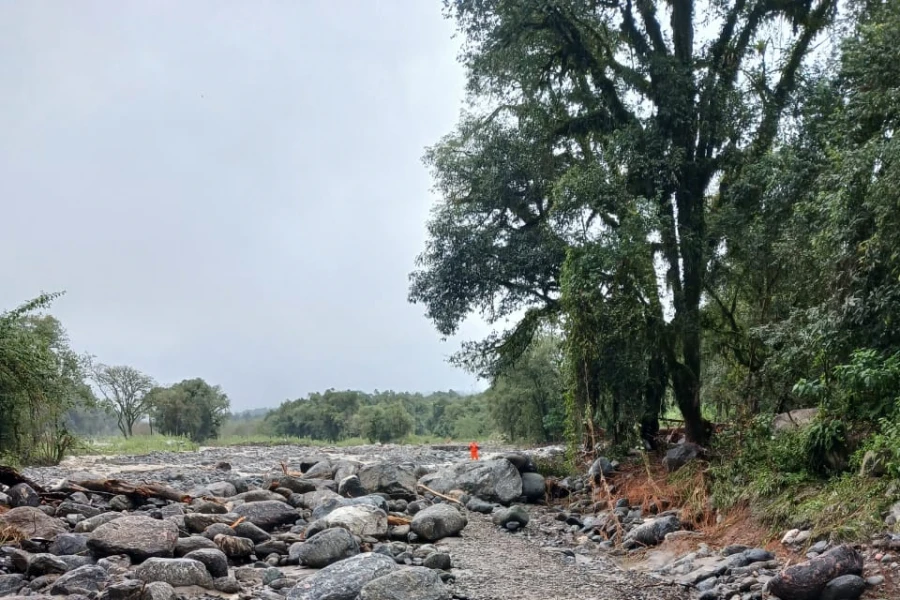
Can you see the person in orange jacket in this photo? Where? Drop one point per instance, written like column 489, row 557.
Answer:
column 473, row 450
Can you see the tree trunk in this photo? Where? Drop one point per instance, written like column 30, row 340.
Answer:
column 654, row 393
column 687, row 395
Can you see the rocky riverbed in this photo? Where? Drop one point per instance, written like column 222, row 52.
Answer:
column 375, row 523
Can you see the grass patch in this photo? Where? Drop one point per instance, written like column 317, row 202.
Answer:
column 136, row 444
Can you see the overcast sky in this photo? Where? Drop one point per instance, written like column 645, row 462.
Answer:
column 229, row 190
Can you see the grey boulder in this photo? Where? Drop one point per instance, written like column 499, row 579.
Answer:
column 415, row 583
column 325, row 548
column 174, row 571
column 437, row 522
column 138, row 537
column 492, row 480
column 267, row 514
column 344, row 579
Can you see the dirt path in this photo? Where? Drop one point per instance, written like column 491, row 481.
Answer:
column 493, row 565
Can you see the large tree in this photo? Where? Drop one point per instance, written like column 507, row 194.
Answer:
column 191, row 408
column 124, row 391
column 626, row 124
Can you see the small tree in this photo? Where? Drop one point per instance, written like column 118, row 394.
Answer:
column 124, row 390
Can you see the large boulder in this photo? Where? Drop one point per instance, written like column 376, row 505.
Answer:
column 492, row 480
column 534, row 486
column 267, row 514
column 363, row 520
column 344, row 579
column 795, row 419
column 33, row 522
column 681, row 455
column 522, row 462
column 92, row 523
column 808, row 580
column 321, row 470
column 325, row 548
column 215, row 561
column 397, row 481
column 415, row 583
column 652, row 532
column 437, row 522
column 174, row 571
column 138, row 537
column 83, row 580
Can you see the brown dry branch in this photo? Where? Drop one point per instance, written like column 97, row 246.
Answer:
column 439, row 495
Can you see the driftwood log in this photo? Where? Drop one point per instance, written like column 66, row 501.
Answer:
column 116, row 487
column 806, row 580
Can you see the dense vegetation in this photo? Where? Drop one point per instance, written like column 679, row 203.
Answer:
column 703, row 198
column 50, row 395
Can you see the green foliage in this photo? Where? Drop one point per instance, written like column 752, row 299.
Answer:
column 526, row 399
column 41, row 380
column 192, row 408
column 335, row 416
column 383, row 423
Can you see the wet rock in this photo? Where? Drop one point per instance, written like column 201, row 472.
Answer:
column 845, row 587
column 807, row 580
column 138, row 537
column 128, row 589
column 415, row 583
column 83, row 580
column 33, row 522
column 514, row 514
column 217, row 529
column 267, row 514
column 344, row 579
column 321, row 470
column 120, row 503
column 438, row 560
column 45, row 564
column 522, row 462
column 69, row 543
column 312, row 500
column 271, row 547
column 233, row 546
column 681, row 455
column 227, row 585
column 158, row 590
column 438, row 521
column 492, row 480
column 215, row 561
column 325, row 548
column 23, row 494
column 601, row 467
column 362, row 520
column 250, row 531
column 534, row 487
column 174, row 571
column 92, row 523
column 478, row 505
column 198, row 522
column 296, row 485
column 351, row 487
column 185, row 546
column 397, row 481
column 652, row 532
column 11, row 583
column 75, row 508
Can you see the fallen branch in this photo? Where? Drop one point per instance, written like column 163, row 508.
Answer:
column 439, row 495
column 124, row 488
column 395, row 520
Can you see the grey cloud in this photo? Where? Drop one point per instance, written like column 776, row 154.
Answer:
column 231, row 190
